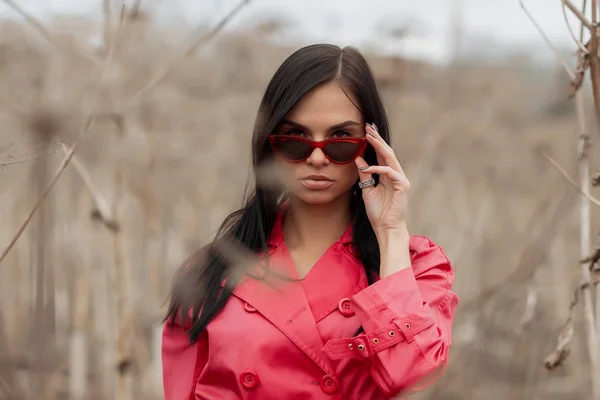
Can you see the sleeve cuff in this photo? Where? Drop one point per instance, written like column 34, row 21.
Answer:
column 395, row 299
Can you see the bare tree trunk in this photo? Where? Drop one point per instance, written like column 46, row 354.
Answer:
column 78, row 340
column 585, row 248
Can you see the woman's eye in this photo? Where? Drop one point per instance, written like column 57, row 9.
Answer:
column 294, row 131
column 341, row 134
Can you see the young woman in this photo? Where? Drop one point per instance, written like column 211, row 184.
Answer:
column 339, row 300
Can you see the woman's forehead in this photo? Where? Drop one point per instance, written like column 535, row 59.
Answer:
column 326, row 104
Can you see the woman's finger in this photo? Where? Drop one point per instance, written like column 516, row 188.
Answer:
column 385, row 154
column 396, row 177
column 362, row 166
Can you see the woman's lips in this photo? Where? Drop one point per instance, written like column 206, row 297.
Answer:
column 316, row 182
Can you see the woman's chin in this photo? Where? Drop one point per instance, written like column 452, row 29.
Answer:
column 317, row 197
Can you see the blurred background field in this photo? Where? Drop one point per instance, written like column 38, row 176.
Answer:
column 82, row 293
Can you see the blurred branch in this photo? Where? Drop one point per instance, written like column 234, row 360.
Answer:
column 103, row 208
column 46, row 34
column 6, row 163
column 583, row 64
column 588, row 196
column 583, row 20
column 196, row 44
column 107, row 24
column 530, row 305
column 562, row 349
column 594, row 62
column 548, row 42
column 135, row 8
column 4, row 387
column 578, row 14
column 69, row 156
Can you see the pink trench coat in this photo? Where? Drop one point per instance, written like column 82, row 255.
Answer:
column 296, row 340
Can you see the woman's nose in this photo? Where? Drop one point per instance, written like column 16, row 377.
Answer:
column 317, row 158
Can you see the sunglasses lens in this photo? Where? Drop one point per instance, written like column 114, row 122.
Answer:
column 291, row 149
column 342, row 151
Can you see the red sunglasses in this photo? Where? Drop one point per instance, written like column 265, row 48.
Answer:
column 337, row 150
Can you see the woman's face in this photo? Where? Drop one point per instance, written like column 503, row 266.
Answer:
column 325, row 112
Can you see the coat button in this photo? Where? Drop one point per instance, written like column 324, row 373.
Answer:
column 345, row 307
column 249, row 379
column 249, row 308
column 328, row 385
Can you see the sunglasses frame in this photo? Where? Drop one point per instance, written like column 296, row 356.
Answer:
column 361, row 141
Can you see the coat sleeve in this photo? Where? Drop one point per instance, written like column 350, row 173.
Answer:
column 407, row 319
column 182, row 362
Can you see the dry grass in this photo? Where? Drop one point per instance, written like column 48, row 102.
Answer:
column 175, row 163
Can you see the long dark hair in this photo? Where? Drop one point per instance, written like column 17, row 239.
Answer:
column 197, row 294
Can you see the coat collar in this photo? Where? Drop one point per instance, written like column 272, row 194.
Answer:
column 280, row 298
column 279, row 285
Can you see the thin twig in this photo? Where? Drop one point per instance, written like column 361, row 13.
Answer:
column 7, row 163
column 102, row 205
column 583, row 20
column 562, row 60
column 46, row 34
column 588, row 196
column 74, row 147
column 583, row 64
column 7, row 389
column 530, row 305
column 196, row 44
column 578, row 13
column 107, row 25
column 562, row 349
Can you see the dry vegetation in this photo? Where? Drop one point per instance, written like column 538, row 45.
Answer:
column 82, row 292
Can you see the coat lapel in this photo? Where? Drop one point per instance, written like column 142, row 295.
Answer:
column 283, row 302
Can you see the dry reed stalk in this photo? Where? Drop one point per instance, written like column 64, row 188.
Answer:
column 124, row 304
column 103, row 210
column 561, row 351
column 595, row 62
column 40, row 345
column 107, row 24
column 39, row 27
column 78, row 347
column 7, row 375
column 564, row 173
column 197, row 42
column 89, row 120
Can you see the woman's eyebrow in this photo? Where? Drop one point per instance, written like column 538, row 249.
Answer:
column 344, row 124
column 334, row 127
column 292, row 123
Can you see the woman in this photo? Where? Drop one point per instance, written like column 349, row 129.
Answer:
column 338, row 300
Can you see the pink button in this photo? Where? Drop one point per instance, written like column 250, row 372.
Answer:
column 328, row 385
column 249, row 308
column 249, row 379
column 345, row 307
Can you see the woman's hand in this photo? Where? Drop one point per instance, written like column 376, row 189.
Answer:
column 386, row 203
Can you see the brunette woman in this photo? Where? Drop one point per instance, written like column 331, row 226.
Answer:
column 340, row 300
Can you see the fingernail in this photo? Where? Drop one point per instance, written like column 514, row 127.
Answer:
column 368, row 132
column 363, row 168
column 375, row 127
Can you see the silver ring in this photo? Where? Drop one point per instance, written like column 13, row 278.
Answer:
column 367, row 183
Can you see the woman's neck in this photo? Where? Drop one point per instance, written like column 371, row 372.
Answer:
column 310, row 225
